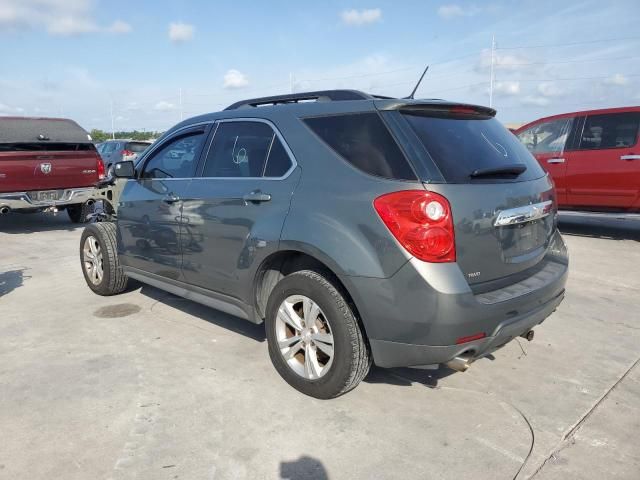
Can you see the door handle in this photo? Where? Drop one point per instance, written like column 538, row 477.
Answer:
column 256, row 197
column 630, row 157
column 555, row 160
column 171, row 198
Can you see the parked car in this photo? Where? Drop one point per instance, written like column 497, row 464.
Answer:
column 113, row 151
column 592, row 156
column 47, row 164
column 353, row 226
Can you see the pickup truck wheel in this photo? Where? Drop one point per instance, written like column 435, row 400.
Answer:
column 99, row 259
column 315, row 342
column 78, row 213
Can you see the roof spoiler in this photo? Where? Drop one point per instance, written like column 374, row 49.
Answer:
column 439, row 106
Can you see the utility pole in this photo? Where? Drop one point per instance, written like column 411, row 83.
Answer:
column 180, row 103
column 493, row 53
column 291, row 82
column 113, row 132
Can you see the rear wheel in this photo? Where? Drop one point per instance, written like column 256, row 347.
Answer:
column 99, row 259
column 78, row 213
column 315, row 342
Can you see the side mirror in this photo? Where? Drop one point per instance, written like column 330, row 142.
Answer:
column 124, row 169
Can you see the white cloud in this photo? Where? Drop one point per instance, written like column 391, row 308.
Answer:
column 164, row 106
column 361, row 17
column 503, row 61
column 550, row 89
column 235, row 79
column 618, row 80
column 8, row 110
column 537, row 101
column 507, row 88
column 181, row 32
column 119, row 27
column 57, row 17
column 453, row 10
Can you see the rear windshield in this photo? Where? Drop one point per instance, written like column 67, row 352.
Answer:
column 45, row 147
column 461, row 145
column 137, row 147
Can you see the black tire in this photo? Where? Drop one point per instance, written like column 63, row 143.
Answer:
column 78, row 213
column 351, row 361
column 113, row 279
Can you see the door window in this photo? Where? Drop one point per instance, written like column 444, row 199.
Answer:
column 547, row 137
column 177, row 158
column 616, row 130
column 243, row 149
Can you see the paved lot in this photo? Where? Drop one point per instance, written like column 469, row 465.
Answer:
column 148, row 386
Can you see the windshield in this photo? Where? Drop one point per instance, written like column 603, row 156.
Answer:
column 460, row 145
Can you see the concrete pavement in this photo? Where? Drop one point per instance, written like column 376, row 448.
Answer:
column 150, row 386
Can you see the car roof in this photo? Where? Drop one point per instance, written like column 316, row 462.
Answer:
column 582, row 113
column 325, row 102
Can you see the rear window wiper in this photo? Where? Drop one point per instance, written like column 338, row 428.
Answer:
column 514, row 170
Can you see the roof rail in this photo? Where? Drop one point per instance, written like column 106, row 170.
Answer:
column 320, row 96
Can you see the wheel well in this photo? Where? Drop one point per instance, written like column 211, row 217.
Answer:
column 284, row 263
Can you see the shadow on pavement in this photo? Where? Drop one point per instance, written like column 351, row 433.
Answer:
column 613, row 229
column 303, row 468
column 208, row 314
column 405, row 377
column 16, row 223
column 11, row 280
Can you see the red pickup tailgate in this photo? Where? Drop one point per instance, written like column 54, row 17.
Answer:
column 22, row 171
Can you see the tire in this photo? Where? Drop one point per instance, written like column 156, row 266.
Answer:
column 102, row 236
column 350, row 360
column 78, row 213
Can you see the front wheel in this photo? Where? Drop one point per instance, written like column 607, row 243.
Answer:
column 99, row 259
column 315, row 342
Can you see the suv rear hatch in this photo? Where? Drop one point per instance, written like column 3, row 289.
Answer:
column 502, row 202
column 45, row 154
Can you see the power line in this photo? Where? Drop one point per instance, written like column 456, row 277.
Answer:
column 599, row 77
column 587, row 42
column 569, row 61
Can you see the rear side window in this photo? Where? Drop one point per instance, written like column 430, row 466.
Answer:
column 137, row 147
column 460, row 145
column 363, row 140
column 616, row 130
column 46, row 147
column 547, row 137
column 239, row 150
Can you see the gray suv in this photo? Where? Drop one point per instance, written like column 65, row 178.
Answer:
column 358, row 228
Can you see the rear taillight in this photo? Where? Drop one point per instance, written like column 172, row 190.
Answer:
column 421, row 221
column 100, row 168
column 126, row 153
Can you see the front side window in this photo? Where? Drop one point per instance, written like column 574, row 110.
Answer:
column 617, row 130
column 547, row 137
column 243, row 149
column 363, row 140
column 175, row 159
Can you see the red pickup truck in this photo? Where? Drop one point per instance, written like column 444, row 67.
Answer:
column 47, row 164
column 592, row 156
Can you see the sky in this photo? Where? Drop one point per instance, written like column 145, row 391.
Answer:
column 146, row 64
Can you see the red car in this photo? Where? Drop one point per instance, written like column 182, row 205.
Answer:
column 47, row 164
column 592, row 156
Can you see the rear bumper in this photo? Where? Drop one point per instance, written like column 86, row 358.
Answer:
column 392, row 354
column 417, row 316
column 24, row 201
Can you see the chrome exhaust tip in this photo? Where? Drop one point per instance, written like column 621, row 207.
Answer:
column 528, row 335
column 459, row 364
